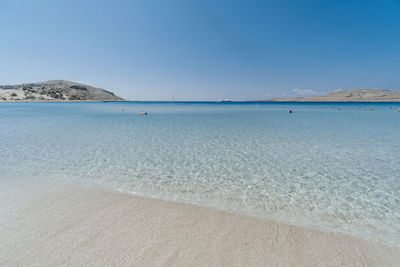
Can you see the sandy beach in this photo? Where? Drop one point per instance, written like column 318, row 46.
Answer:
column 69, row 225
column 200, row 133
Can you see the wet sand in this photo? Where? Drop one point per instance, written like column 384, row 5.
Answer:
column 81, row 226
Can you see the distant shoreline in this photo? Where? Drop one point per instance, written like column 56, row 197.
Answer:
column 55, row 91
column 205, row 101
column 59, row 101
column 353, row 95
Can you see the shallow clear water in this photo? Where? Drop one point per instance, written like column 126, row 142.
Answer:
column 336, row 170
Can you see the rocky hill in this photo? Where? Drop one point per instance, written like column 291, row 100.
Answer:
column 355, row 95
column 55, row 90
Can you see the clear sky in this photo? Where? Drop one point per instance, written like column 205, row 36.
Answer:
column 203, row 50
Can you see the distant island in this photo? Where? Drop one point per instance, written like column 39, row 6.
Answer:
column 55, row 90
column 355, row 95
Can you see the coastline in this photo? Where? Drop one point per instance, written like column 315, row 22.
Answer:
column 269, row 101
column 55, row 225
column 58, row 101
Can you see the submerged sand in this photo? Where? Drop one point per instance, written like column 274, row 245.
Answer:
column 81, row 226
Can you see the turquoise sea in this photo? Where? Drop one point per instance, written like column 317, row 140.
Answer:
column 334, row 167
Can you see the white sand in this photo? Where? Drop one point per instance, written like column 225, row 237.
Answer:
column 79, row 226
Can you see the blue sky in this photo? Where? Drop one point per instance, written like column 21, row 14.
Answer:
column 203, row 50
